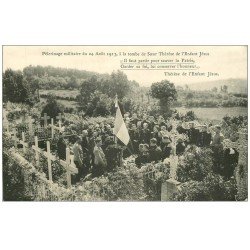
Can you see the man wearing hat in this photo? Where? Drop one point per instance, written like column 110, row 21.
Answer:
column 155, row 152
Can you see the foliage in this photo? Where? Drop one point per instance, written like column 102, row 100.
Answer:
column 16, row 88
column 212, row 188
column 152, row 181
column 195, row 164
column 231, row 126
column 52, row 108
column 165, row 92
column 99, row 105
column 13, row 182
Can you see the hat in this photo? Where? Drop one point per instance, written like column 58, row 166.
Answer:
column 98, row 139
column 153, row 140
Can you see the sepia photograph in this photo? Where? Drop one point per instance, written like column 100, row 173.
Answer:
column 124, row 123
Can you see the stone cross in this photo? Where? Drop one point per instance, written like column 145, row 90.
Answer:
column 168, row 188
column 25, row 144
column 69, row 166
column 45, row 118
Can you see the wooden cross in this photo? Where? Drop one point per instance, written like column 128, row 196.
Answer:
column 25, row 144
column 60, row 117
column 14, row 137
column 52, row 128
column 5, row 115
column 50, row 158
column 60, row 125
column 69, row 166
column 8, row 105
column 30, row 121
column 37, row 150
column 6, row 125
column 45, row 118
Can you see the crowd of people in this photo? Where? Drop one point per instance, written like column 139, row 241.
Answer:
column 96, row 150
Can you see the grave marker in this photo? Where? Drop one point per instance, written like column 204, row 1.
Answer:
column 37, row 150
column 60, row 117
column 69, row 166
column 30, row 121
column 25, row 144
column 45, row 118
column 50, row 158
column 168, row 188
column 14, row 137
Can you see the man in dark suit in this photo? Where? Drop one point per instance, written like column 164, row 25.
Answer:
column 192, row 134
column 155, row 152
column 204, row 138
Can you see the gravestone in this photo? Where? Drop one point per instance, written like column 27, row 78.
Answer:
column 168, row 188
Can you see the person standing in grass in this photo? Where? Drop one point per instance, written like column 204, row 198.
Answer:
column 78, row 160
column 100, row 162
column 217, row 147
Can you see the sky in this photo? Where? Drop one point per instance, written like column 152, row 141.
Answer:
column 222, row 61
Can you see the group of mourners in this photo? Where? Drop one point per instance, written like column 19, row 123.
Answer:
column 97, row 151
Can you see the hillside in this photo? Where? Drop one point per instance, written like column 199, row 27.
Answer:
column 235, row 85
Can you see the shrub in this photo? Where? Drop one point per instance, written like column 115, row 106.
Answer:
column 212, row 188
column 195, row 164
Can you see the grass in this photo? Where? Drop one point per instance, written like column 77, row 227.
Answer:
column 60, row 92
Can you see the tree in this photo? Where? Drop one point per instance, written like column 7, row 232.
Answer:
column 117, row 83
column 224, row 88
column 87, row 88
column 52, row 108
column 15, row 89
column 72, row 84
column 190, row 95
column 165, row 92
column 214, row 89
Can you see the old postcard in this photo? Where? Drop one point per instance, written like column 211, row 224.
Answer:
column 125, row 123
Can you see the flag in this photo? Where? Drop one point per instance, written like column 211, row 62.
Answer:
column 120, row 130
